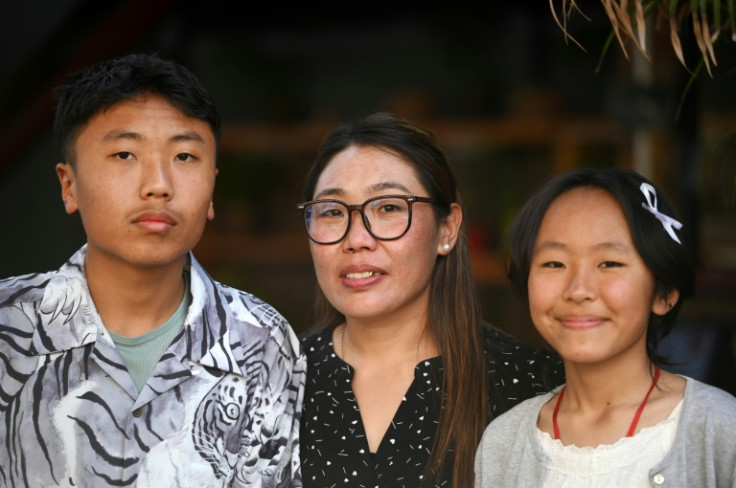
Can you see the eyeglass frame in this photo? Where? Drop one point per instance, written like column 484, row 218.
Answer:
column 409, row 199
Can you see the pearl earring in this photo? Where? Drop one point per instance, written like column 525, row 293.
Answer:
column 446, row 247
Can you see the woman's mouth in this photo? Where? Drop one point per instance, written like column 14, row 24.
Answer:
column 359, row 276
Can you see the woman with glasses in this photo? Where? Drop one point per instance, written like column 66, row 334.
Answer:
column 403, row 375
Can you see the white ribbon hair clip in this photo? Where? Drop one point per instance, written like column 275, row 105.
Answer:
column 650, row 194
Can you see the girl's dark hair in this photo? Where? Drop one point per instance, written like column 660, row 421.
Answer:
column 671, row 263
column 87, row 92
column 454, row 310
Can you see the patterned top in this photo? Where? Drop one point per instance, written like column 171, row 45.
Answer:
column 220, row 409
column 334, row 447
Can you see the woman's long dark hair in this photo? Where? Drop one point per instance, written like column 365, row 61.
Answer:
column 454, row 309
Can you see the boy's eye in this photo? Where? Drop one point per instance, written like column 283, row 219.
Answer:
column 184, row 157
column 124, row 155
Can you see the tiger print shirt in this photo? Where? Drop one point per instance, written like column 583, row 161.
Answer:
column 221, row 407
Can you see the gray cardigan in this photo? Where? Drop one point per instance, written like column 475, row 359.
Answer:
column 703, row 454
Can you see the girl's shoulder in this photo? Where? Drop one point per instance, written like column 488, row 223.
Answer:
column 516, row 421
column 703, row 400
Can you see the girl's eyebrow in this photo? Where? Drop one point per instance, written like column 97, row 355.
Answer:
column 607, row 245
column 613, row 246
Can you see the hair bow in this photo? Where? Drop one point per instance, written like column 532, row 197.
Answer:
column 650, row 194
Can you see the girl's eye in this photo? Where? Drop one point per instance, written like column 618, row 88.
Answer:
column 552, row 264
column 610, row 264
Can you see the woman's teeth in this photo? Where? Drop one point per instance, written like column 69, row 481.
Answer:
column 357, row 276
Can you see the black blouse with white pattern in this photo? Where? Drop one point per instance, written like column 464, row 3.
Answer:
column 334, row 449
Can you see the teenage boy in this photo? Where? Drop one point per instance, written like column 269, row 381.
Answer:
column 130, row 366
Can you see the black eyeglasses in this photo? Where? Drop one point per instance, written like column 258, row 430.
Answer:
column 386, row 217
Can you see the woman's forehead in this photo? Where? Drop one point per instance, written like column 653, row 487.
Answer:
column 367, row 170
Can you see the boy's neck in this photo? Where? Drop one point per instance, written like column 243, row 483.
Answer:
column 135, row 300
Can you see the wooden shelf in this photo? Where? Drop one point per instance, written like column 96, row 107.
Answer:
column 566, row 137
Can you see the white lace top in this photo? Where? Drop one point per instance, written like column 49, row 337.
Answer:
column 625, row 463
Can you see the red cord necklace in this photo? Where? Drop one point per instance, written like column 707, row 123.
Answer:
column 635, row 421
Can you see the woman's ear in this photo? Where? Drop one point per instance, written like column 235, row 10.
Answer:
column 664, row 303
column 449, row 230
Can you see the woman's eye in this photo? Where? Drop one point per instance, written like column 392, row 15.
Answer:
column 610, row 264
column 329, row 213
column 333, row 212
column 552, row 264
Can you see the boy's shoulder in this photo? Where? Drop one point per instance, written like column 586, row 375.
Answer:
column 24, row 288
column 249, row 320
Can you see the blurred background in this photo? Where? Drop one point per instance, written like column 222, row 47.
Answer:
column 510, row 101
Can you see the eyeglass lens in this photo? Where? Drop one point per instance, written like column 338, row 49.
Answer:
column 387, row 218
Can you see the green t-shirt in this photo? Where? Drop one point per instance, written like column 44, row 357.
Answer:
column 141, row 354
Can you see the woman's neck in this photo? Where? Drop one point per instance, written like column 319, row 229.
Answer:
column 384, row 355
column 363, row 343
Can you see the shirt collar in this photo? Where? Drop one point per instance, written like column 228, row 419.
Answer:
column 68, row 319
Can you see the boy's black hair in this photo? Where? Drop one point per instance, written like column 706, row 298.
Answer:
column 87, row 92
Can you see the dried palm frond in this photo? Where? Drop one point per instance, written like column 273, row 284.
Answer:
column 628, row 18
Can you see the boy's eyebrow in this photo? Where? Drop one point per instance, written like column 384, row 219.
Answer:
column 187, row 136
column 123, row 134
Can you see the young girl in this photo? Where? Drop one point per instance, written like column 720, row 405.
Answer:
column 605, row 266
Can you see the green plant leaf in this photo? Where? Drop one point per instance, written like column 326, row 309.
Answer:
column 606, row 46
column 688, row 86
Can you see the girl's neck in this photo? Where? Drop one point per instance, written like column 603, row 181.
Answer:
column 600, row 386
column 600, row 403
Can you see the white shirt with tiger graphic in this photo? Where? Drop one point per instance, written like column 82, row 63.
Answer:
column 221, row 408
